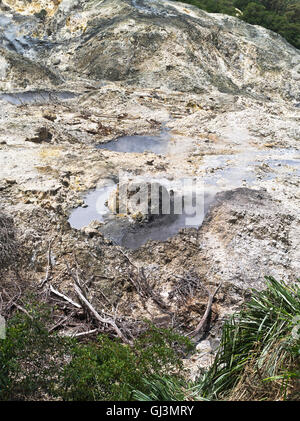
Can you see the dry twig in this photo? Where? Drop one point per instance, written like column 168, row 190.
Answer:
column 59, row 294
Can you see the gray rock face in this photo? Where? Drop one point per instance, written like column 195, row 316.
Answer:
column 170, row 45
column 245, row 235
column 19, row 72
column 253, row 236
column 163, row 44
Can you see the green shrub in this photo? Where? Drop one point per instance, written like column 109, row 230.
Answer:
column 38, row 365
column 30, row 358
column 110, row 370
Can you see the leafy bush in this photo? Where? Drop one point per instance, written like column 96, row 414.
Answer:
column 30, row 358
column 38, row 365
column 110, row 370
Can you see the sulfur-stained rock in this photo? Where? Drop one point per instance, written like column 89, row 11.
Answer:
column 49, row 116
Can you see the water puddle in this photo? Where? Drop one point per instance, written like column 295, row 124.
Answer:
column 95, row 210
column 234, row 170
column 138, row 144
column 36, row 97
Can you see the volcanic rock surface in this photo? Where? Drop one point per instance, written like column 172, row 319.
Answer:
column 228, row 94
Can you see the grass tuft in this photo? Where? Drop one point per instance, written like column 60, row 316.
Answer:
column 258, row 358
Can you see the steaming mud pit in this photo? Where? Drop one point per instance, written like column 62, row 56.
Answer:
column 133, row 230
column 127, row 232
column 233, row 171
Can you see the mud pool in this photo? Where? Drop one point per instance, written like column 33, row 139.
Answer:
column 220, row 172
column 95, row 208
column 138, row 144
column 130, row 234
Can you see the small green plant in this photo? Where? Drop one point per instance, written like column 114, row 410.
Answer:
column 159, row 388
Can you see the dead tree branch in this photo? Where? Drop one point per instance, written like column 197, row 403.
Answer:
column 144, row 289
column 59, row 294
column 97, row 316
column 205, row 317
column 81, row 334
column 14, row 304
